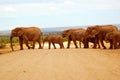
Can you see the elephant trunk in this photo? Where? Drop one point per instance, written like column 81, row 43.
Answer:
column 11, row 43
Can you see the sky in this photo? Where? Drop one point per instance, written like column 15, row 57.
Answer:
column 58, row 13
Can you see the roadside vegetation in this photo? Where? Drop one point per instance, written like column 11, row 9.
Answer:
column 4, row 40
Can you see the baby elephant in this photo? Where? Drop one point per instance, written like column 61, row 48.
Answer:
column 54, row 38
column 113, row 37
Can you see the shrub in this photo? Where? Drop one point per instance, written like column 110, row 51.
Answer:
column 6, row 40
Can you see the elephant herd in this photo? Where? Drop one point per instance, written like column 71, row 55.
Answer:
column 96, row 34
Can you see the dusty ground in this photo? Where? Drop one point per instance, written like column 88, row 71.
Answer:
column 61, row 64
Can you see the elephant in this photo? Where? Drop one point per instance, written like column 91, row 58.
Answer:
column 93, row 40
column 78, row 34
column 74, row 35
column 26, row 34
column 114, row 37
column 100, row 31
column 54, row 38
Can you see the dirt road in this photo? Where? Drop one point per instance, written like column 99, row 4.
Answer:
column 61, row 64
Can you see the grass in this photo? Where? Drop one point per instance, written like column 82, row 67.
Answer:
column 6, row 40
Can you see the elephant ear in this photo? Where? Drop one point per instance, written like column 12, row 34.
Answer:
column 111, row 36
column 20, row 32
column 96, row 30
column 68, row 32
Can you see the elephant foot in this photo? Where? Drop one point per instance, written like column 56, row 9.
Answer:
column 21, row 48
column 98, row 47
column 104, row 47
column 94, row 47
column 67, row 47
column 115, row 47
column 110, row 48
column 61, row 47
column 86, row 47
column 76, row 47
column 40, row 48
column 29, row 48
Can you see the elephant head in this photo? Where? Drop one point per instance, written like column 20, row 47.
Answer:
column 67, row 33
column 17, row 32
column 92, row 31
column 108, row 37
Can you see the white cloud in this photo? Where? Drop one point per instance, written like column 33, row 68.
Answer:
column 68, row 2
column 7, row 9
column 51, row 8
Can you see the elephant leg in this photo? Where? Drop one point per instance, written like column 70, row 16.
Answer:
column 39, row 42
column 101, row 41
column 86, row 43
column 115, row 45
column 80, row 44
column 54, row 45
column 49, row 45
column 69, row 41
column 27, row 44
column 33, row 45
column 119, row 45
column 75, row 43
column 95, row 43
column 61, row 45
column 111, row 44
column 21, row 43
column 98, row 44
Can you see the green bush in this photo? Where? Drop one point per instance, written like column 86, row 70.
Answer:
column 6, row 40
column 3, row 42
column 65, row 39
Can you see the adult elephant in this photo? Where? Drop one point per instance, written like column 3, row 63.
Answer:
column 100, row 31
column 54, row 38
column 74, row 35
column 26, row 34
column 114, row 37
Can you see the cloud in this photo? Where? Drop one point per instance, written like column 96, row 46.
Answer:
column 7, row 9
column 68, row 2
column 54, row 7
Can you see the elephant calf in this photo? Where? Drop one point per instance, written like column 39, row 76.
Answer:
column 113, row 37
column 54, row 38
